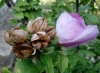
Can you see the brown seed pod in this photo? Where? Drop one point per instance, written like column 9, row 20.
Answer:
column 50, row 31
column 39, row 45
column 19, row 35
column 40, row 36
column 40, row 40
column 39, row 24
column 16, row 35
column 8, row 38
column 23, row 50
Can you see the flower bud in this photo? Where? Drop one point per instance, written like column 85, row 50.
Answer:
column 39, row 24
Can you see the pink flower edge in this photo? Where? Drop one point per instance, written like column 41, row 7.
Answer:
column 87, row 35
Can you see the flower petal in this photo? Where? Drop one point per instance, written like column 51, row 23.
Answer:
column 89, row 33
column 78, row 18
column 61, row 21
column 68, row 27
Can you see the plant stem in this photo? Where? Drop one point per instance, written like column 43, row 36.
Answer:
column 77, row 6
column 77, row 48
column 77, row 9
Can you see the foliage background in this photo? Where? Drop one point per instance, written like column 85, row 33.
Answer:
column 53, row 59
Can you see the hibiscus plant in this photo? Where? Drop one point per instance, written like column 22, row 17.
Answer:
column 62, row 38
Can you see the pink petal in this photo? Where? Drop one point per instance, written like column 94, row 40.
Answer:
column 89, row 33
column 79, row 19
column 68, row 27
column 61, row 21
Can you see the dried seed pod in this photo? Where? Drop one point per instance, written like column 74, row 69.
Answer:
column 36, row 45
column 39, row 45
column 40, row 36
column 39, row 24
column 43, row 37
column 8, row 38
column 48, row 28
column 19, row 35
column 23, row 50
column 50, row 31
column 43, row 45
column 34, row 37
column 15, row 35
column 40, row 40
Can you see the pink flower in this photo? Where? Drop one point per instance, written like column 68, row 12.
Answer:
column 72, row 31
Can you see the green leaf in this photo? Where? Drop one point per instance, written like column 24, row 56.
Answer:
column 32, row 2
column 91, row 71
column 86, row 52
column 69, row 51
column 5, row 70
column 92, row 18
column 26, row 66
column 68, row 70
column 55, row 58
column 2, row 2
column 54, row 41
column 21, row 3
column 17, row 71
column 18, row 14
column 14, row 21
column 17, row 8
column 40, row 66
column 63, row 64
column 97, row 67
column 48, row 62
column 83, row 8
column 82, row 59
column 66, row 8
column 29, row 14
column 73, row 59
column 23, row 27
